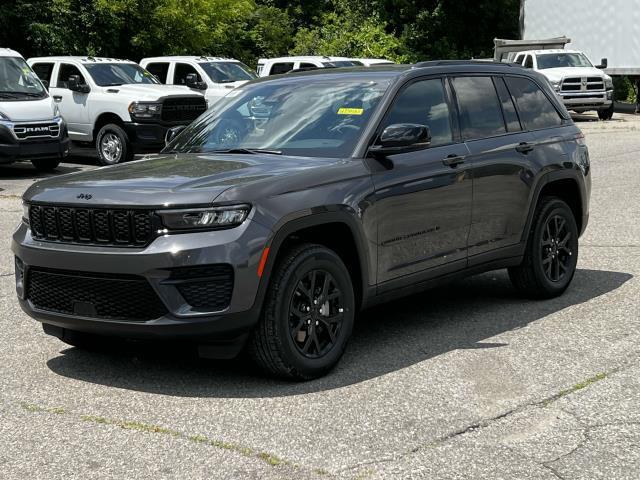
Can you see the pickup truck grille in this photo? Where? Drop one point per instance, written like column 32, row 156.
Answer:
column 93, row 226
column 25, row 131
column 582, row 84
column 183, row 109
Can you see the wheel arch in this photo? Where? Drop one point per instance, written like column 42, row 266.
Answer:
column 566, row 185
column 104, row 119
column 336, row 230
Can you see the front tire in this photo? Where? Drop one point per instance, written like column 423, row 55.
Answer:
column 606, row 113
column 45, row 165
column 551, row 254
column 307, row 317
column 112, row 145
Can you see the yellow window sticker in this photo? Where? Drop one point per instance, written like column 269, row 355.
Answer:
column 350, row 111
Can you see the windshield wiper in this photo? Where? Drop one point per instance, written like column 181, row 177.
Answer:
column 251, row 151
column 8, row 94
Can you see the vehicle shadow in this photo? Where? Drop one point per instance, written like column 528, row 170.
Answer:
column 388, row 338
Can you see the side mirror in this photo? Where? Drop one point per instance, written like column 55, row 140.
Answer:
column 402, row 138
column 192, row 82
column 603, row 64
column 172, row 133
column 74, row 84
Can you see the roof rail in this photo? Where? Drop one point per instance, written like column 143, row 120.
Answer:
column 444, row 63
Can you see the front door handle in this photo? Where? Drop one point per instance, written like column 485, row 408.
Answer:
column 524, row 147
column 453, row 160
column 57, row 98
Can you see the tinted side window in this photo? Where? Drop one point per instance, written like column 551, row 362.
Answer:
column 65, row 72
column 181, row 72
column 519, row 59
column 535, row 109
column 423, row 102
column 160, row 70
column 277, row 68
column 480, row 112
column 307, row 65
column 43, row 70
column 508, row 108
column 528, row 62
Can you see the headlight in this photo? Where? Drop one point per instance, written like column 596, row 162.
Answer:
column 56, row 111
column 608, row 83
column 145, row 109
column 205, row 218
column 555, row 84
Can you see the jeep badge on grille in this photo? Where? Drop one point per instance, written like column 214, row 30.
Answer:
column 85, row 196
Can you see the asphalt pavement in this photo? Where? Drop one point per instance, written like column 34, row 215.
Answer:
column 468, row 381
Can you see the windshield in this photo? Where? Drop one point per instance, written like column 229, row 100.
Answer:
column 343, row 63
column 18, row 81
column 300, row 117
column 114, row 74
column 559, row 60
column 228, row 72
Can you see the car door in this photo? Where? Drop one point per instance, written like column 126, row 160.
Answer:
column 44, row 70
column 180, row 72
column 73, row 106
column 423, row 198
column 498, row 160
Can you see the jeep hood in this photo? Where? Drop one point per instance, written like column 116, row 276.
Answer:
column 168, row 180
column 150, row 92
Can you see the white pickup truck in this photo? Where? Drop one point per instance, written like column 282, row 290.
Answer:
column 30, row 125
column 115, row 104
column 214, row 77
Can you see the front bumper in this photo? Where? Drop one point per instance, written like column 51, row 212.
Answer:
column 240, row 247
column 584, row 101
column 12, row 149
column 146, row 137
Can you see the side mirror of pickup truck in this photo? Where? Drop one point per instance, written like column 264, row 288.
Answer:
column 74, row 84
column 172, row 133
column 192, row 82
column 603, row 64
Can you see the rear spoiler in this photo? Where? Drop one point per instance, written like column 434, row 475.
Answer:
column 505, row 50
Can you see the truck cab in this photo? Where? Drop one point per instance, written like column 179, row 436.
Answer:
column 580, row 85
column 115, row 104
column 214, row 77
column 275, row 66
column 30, row 124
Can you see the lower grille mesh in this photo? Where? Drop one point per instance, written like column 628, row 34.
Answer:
column 207, row 287
column 98, row 295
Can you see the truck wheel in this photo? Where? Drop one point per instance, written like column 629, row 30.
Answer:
column 307, row 316
column 551, row 254
column 606, row 113
column 45, row 165
column 112, row 145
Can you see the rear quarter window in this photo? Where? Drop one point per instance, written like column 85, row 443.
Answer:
column 535, row 109
column 160, row 70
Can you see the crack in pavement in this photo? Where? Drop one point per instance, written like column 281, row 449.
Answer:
column 545, row 402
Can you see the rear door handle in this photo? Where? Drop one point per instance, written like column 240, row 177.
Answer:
column 524, row 147
column 57, row 98
column 453, row 160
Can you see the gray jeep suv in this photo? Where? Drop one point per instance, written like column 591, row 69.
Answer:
column 302, row 199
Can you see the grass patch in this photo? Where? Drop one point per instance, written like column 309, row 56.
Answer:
column 267, row 458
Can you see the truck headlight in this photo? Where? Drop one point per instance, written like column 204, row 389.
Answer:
column 555, row 84
column 608, row 83
column 145, row 109
column 205, row 218
column 25, row 213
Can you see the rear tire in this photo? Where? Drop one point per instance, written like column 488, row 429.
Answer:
column 551, row 254
column 307, row 316
column 45, row 165
column 112, row 145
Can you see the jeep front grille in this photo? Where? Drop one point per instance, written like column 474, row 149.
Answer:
column 94, row 226
column 95, row 295
column 183, row 109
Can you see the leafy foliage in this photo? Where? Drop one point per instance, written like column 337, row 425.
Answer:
column 401, row 30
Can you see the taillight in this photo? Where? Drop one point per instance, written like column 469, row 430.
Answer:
column 580, row 138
